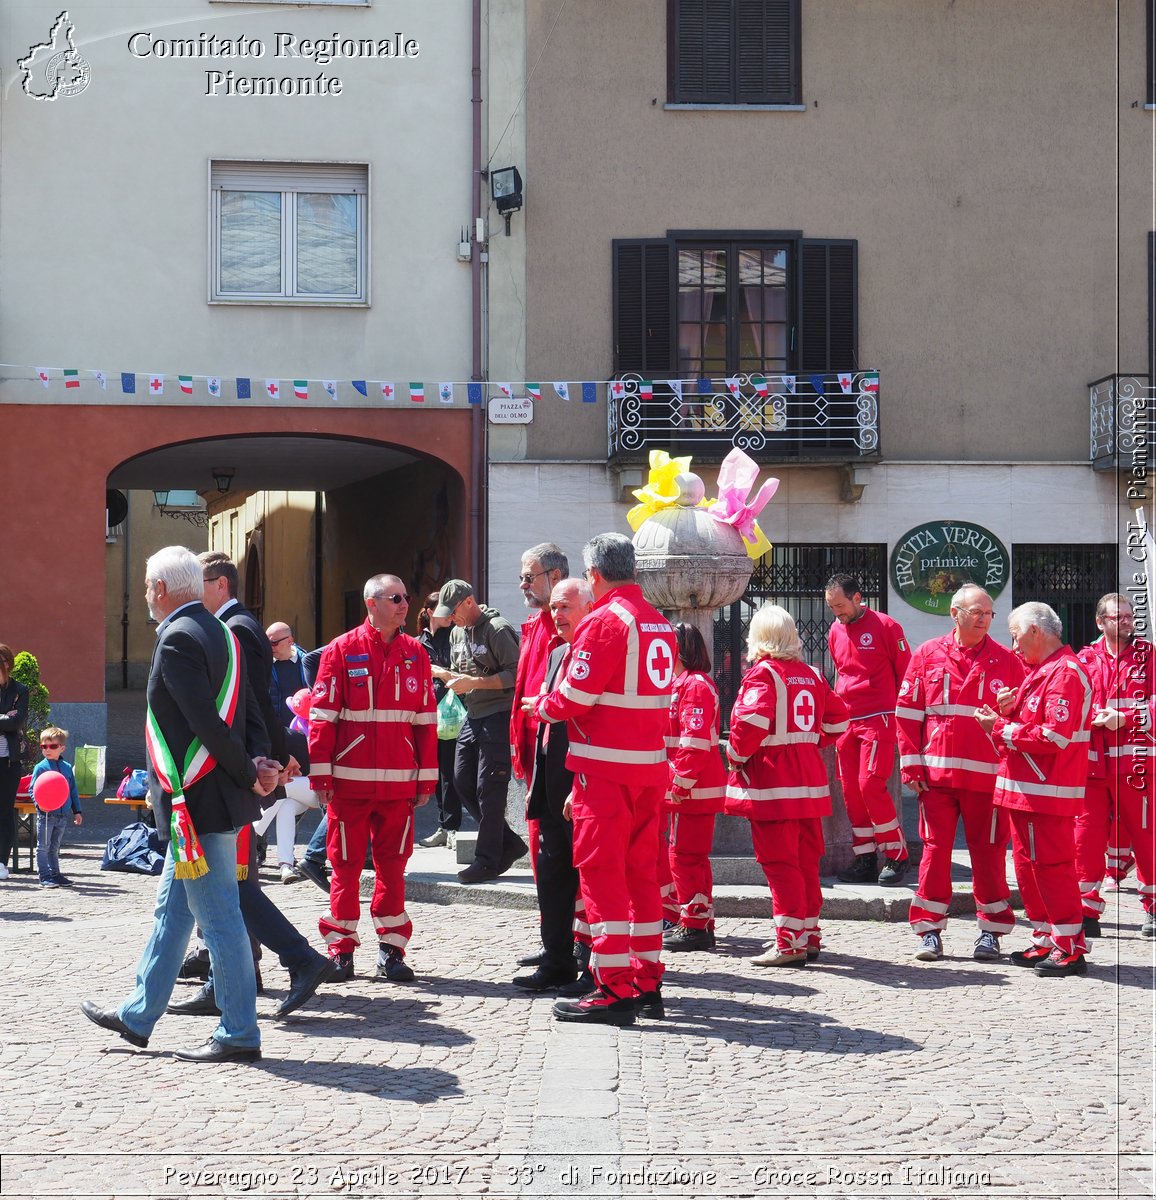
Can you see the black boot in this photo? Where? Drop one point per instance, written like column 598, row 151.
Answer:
column 862, row 870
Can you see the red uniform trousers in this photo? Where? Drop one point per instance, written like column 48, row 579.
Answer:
column 667, row 891
column 615, row 835
column 684, row 874
column 865, row 756
column 987, row 830
column 353, row 825
column 1115, row 814
column 1044, row 853
column 789, row 851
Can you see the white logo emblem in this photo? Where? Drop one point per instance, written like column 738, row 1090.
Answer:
column 803, row 710
column 410, row 684
column 659, row 664
column 54, row 68
column 1061, row 710
column 694, row 722
column 997, row 685
column 905, row 687
column 868, row 639
column 1034, row 704
column 580, row 669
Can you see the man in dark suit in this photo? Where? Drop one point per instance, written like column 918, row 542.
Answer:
column 195, row 717
column 547, row 794
column 263, row 919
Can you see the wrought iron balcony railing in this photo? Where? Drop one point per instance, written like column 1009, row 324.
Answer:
column 834, row 415
column 1123, row 423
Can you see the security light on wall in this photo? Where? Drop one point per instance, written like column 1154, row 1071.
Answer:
column 506, row 189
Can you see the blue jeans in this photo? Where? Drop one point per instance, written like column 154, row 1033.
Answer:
column 315, row 851
column 212, row 903
column 50, row 829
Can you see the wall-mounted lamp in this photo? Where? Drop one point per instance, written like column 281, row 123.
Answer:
column 506, row 190
column 183, row 510
column 223, row 478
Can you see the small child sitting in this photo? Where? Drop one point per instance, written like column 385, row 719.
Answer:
column 50, row 826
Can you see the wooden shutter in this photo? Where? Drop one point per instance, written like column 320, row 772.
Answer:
column 701, row 51
column 766, row 51
column 642, row 306
column 828, row 305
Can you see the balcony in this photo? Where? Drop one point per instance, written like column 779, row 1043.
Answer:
column 1123, row 423
column 798, row 418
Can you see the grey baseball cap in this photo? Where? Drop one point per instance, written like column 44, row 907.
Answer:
column 451, row 595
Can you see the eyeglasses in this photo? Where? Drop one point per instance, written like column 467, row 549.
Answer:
column 277, row 641
column 396, row 597
column 49, row 745
column 212, row 578
column 531, row 578
column 977, row 613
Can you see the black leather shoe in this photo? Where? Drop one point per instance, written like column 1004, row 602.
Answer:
column 1091, row 926
column 582, row 986
column 341, row 967
column 532, row 960
column 107, row 1018
column 303, row 983
column 195, row 966
column 649, row 1004
column 861, row 870
column 203, row 1004
column 1059, row 965
column 1031, row 957
column 477, row 872
column 894, row 872
column 217, row 1052
column 512, row 855
column 315, row 872
column 545, row 979
column 391, row 965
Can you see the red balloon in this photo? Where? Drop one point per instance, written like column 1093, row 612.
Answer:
column 50, row 791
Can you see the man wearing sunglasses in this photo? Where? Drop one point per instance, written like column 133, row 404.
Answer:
column 373, row 757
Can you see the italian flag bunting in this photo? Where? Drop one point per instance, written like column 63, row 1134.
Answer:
column 535, row 391
column 188, row 854
column 417, row 392
column 646, row 389
column 71, row 377
column 301, row 389
column 186, row 382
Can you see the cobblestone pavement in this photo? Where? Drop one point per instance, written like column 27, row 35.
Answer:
column 943, row 1079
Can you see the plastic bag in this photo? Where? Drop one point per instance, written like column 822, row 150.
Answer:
column 134, row 785
column 451, row 717
column 89, row 770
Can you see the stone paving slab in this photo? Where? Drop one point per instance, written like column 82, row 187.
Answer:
column 867, row 1074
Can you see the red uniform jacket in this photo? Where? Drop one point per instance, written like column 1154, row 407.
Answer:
column 1126, row 683
column 940, row 741
column 692, row 746
column 616, row 691
column 785, row 711
column 539, row 637
column 373, row 724
column 871, row 655
column 1044, row 740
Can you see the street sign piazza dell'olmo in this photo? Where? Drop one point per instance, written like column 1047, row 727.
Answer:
column 285, row 46
column 932, row 561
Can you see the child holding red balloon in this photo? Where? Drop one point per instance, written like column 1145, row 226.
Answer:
column 54, row 793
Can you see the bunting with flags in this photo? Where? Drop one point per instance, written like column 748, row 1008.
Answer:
column 417, row 392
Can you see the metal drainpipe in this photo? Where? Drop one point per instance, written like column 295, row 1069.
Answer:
column 477, row 416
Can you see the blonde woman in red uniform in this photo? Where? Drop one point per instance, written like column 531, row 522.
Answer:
column 785, row 711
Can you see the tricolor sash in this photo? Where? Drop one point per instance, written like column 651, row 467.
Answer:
column 188, row 854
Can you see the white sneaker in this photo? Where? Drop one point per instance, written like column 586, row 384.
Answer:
column 289, row 874
column 3, row 871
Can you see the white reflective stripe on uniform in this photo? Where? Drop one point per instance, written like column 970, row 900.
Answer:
column 1146, row 889
column 994, row 823
column 871, row 756
column 425, row 718
column 323, row 714
column 393, row 939
column 608, row 960
column 705, row 793
column 1128, row 750
column 1066, row 930
column 782, row 922
column 1054, row 735
column 356, row 742
column 930, row 905
column 911, row 714
column 998, row 906
column 630, row 677
column 610, row 928
column 886, row 828
column 791, row 739
column 959, row 764
column 648, row 955
column 911, row 760
column 1018, row 788
column 577, row 695
column 612, row 699
column 862, row 830
column 374, row 775
column 606, row 754
column 428, row 775
column 754, row 718
column 646, row 929
column 835, row 727
column 693, row 743
column 320, row 768
column 405, row 833
column 383, row 716
column 682, row 782
column 402, row 918
column 949, row 710
column 1009, row 732
column 798, row 792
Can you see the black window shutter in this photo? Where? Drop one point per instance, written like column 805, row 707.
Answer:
column 701, row 51
column 766, row 51
column 642, row 306
column 828, row 305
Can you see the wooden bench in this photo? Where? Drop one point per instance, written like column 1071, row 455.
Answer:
column 139, row 805
column 26, row 824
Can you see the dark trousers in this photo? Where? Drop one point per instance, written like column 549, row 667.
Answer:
column 267, row 924
column 449, row 802
column 10, row 774
column 557, row 884
column 482, row 779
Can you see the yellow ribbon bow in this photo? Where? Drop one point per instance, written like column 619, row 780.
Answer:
column 660, row 491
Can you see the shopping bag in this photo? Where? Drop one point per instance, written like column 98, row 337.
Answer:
column 451, row 717
column 89, row 770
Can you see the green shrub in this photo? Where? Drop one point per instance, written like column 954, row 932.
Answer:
column 26, row 670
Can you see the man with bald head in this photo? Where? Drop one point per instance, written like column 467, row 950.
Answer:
column 951, row 763
column 373, row 758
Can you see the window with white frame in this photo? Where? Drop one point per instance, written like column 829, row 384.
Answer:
column 291, row 232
